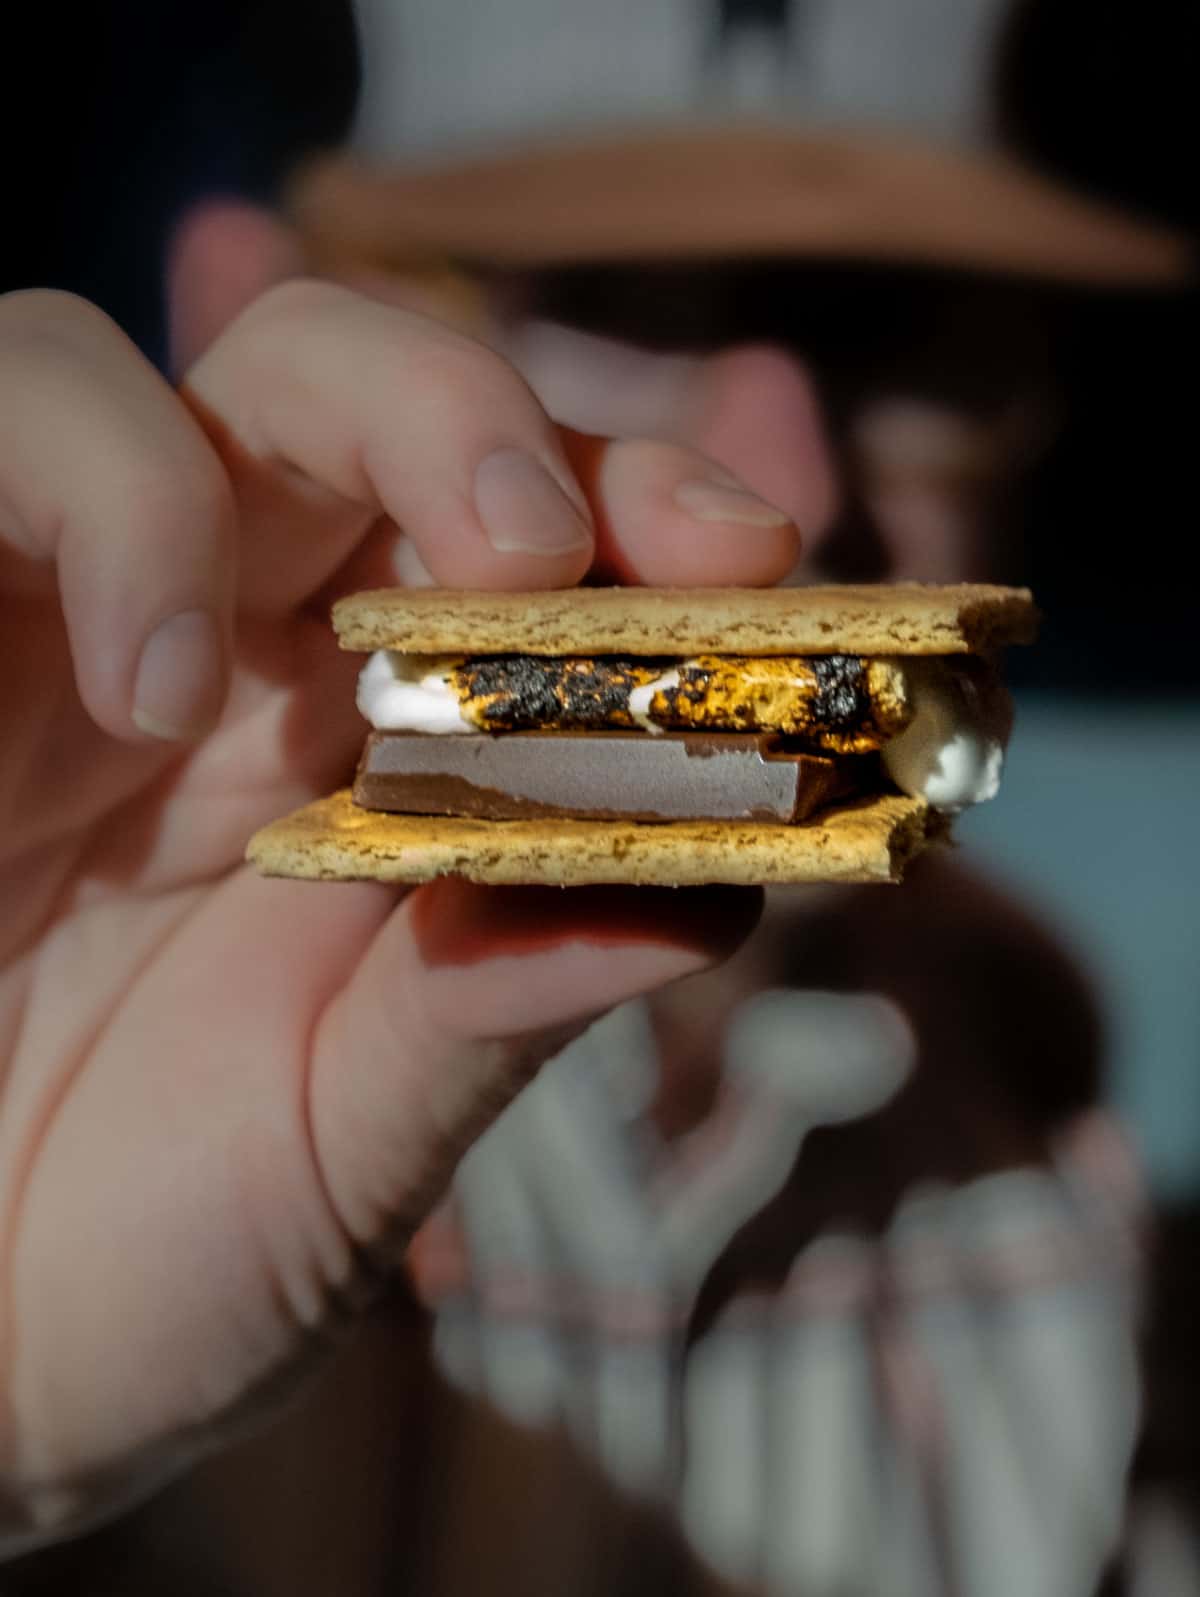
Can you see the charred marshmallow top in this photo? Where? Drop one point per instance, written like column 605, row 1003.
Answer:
column 950, row 754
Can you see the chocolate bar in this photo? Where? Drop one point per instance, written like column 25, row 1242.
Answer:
column 598, row 776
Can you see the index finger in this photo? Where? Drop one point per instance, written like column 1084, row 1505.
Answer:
column 342, row 421
column 334, row 414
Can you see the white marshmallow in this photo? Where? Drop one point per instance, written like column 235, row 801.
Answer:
column 409, row 693
column 952, row 751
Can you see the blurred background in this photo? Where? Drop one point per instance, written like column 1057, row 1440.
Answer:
column 1045, row 416
column 147, row 110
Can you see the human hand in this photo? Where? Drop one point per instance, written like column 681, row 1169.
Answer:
column 919, row 484
column 226, row 1101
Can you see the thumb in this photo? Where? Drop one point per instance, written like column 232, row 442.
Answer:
column 223, row 255
column 463, row 994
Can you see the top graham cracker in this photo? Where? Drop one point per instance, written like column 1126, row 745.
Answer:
column 899, row 618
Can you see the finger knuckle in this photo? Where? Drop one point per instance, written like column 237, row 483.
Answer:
column 174, row 500
column 295, row 301
column 469, row 377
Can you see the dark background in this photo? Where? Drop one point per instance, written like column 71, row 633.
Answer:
column 127, row 113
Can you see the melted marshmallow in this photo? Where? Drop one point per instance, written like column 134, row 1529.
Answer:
column 640, row 699
column 409, row 693
column 950, row 754
column 952, row 751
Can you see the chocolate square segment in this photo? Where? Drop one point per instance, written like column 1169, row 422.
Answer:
column 596, row 776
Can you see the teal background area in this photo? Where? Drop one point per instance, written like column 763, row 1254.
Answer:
column 1095, row 825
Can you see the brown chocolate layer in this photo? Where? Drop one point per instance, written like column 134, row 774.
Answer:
column 601, row 776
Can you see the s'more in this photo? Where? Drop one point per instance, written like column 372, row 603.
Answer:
column 661, row 736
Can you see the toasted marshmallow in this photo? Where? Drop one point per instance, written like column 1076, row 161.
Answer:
column 952, row 752
column 641, row 698
column 409, row 693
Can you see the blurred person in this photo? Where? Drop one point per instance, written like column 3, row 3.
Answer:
column 823, row 1265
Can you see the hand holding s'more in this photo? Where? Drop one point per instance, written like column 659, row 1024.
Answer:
column 661, row 737
column 225, row 1101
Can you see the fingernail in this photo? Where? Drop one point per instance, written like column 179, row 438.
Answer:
column 723, row 501
column 523, row 509
column 177, row 692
